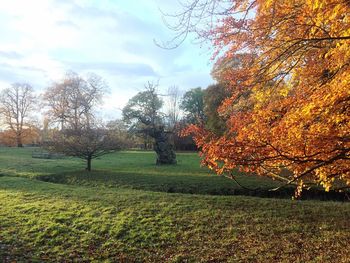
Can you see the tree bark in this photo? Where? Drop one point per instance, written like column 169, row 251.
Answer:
column 88, row 161
column 19, row 141
column 164, row 148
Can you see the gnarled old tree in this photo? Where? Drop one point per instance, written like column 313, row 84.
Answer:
column 143, row 114
column 72, row 104
column 289, row 104
column 17, row 103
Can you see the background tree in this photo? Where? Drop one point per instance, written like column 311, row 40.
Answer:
column 214, row 95
column 193, row 105
column 120, row 129
column 85, row 143
column 289, row 102
column 143, row 114
column 32, row 137
column 80, row 135
column 71, row 101
column 17, row 103
column 173, row 107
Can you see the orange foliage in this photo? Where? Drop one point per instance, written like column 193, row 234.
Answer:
column 30, row 136
column 290, row 103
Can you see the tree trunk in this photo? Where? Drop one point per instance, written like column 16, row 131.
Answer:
column 88, row 167
column 164, row 148
column 19, row 141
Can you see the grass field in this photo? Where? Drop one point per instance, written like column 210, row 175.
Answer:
column 125, row 212
column 129, row 169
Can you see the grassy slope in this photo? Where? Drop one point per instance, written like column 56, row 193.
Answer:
column 44, row 221
column 41, row 220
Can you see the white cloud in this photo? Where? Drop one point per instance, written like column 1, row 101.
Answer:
column 41, row 39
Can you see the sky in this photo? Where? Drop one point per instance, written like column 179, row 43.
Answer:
column 43, row 39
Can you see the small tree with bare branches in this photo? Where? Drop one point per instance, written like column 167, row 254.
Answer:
column 85, row 143
column 71, row 103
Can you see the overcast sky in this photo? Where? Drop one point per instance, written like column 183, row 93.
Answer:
column 42, row 39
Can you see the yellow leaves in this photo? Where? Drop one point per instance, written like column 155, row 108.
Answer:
column 261, row 95
column 323, row 176
column 284, row 91
column 315, row 4
column 307, row 109
column 290, row 97
column 299, row 189
column 337, row 9
column 339, row 118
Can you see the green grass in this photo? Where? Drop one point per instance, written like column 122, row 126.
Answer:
column 112, row 221
column 55, row 222
column 128, row 169
column 19, row 162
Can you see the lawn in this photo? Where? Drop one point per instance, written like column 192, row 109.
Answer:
column 119, row 213
column 128, row 169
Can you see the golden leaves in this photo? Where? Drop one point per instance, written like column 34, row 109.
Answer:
column 290, row 104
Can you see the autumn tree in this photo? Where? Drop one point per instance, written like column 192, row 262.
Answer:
column 72, row 103
column 289, row 95
column 32, row 136
column 17, row 104
column 143, row 114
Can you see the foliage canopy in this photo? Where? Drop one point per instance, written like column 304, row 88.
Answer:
column 193, row 105
column 289, row 103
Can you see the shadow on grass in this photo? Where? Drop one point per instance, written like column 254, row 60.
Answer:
column 190, row 184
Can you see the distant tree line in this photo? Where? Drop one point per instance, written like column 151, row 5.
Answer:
column 64, row 118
